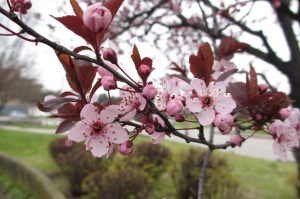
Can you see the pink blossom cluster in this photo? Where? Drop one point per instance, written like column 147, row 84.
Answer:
column 21, row 5
column 285, row 132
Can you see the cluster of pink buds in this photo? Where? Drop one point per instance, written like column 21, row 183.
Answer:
column 21, row 5
column 97, row 18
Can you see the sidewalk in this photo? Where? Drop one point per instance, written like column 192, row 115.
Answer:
column 253, row 147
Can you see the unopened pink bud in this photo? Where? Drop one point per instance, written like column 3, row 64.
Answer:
column 258, row 117
column 179, row 118
column 150, row 128
column 149, row 92
column 21, row 5
column 108, row 82
column 144, row 71
column 125, row 148
column 276, row 3
column 97, row 18
column 224, row 123
column 237, row 139
column 284, row 113
column 263, row 88
column 110, row 55
column 173, row 107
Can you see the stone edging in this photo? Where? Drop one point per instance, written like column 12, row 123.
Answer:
column 30, row 179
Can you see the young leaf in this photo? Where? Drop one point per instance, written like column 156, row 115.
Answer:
column 75, row 24
column 252, row 85
column 66, row 125
column 54, row 104
column 201, row 64
column 76, row 8
column 95, row 88
column 86, row 73
column 135, row 56
column 229, row 46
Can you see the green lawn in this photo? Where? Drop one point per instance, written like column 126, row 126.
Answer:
column 259, row 178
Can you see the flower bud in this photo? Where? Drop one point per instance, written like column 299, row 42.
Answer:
column 125, row 148
column 108, row 82
column 284, row 113
column 179, row 118
column 149, row 92
column 224, row 123
column 97, row 18
column 150, row 128
column 173, row 107
column 144, row 71
column 110, row 55
column 272, row 129
column 21, row 5
column 237, row 139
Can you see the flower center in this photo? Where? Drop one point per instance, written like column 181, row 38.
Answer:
column 207, row 101
column 96, row 128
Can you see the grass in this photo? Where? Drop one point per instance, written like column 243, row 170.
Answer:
column 259, row 178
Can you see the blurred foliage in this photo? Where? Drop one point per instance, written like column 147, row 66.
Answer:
column 219, row 182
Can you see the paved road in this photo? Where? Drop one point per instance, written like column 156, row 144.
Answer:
column 253, row 147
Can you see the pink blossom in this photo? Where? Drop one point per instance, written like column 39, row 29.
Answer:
column 108, row 82
column 263, row 88
column 125, row 148
column 144, row 71
column 173, row 107
column 284, row 113
column 97, row 18
column 149, row 92
column 276, row 3
column 110, row 55
column 285, row 138
column 21, row 5
column 98, row 130
column 131, row 103
column 224, row 122
column 157, row 137
column 205, row 102
column 179, row 118
column 222, row 66
column 171, row 91
column 237, row 139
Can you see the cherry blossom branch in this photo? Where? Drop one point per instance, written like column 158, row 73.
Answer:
column 62, row 50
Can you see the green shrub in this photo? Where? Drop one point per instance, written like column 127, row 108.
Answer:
column 130, row 176
column 219, row 183
column 75, row 162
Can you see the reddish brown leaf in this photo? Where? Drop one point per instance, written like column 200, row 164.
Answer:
column 229, row 46
column 226, row 74
column 67, row 93
column 95, row 88
column 67, row 63
column 66, row 124
column 251, row 82
column 135, row 56
column 201, row 64
column 54, row 104
column 238, row 92
column 82, row 48
column 75, row 24
column 86, row 73
column 76, row 8
column 113, row 6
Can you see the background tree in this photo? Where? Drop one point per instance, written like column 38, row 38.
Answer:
column 15, row 83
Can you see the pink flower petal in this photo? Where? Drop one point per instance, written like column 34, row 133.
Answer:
column 224, row 104
column 206, row 116
column 79, row 133
column 109, row 114
column 89, row 114
column 217, row 89
column 280, row 151
column 142, row 101
column 116, row 134
column 99, row 146
column 128, row 116
column 157, row 137
column 199, row 86
column 194, row 105
column 110, row 151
